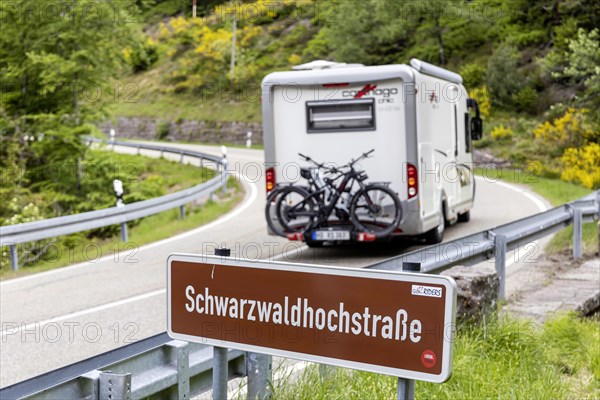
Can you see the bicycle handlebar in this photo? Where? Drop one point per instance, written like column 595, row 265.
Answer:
column 337, row 169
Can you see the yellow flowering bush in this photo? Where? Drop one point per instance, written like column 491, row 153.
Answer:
column 214, row 44
column 570, row 130
column 200, row 48
column 582, row 165
column 294, row 59
column 482, row 96
column 501, row 132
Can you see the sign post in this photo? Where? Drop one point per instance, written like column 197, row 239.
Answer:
column 406, row 387
column 393, row 323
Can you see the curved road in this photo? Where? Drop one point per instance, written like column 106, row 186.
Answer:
column 58, row 317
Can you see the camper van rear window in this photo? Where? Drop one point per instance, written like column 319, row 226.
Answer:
column 340, row 115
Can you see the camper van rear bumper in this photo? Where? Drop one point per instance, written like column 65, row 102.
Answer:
column 411, row 223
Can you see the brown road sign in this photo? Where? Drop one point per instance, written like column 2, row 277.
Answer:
column 393, row 323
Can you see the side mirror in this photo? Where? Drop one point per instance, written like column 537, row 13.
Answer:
column 476, row 128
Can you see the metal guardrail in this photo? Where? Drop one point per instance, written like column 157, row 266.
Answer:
column 11, row 235
column 156, row 366
column 496, row 242
column 159, row 366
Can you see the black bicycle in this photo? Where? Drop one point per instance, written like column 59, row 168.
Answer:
column 315, row 177
column 374, row 208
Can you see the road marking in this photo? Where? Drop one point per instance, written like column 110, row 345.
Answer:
column 534, row 198
column 80, row 313
column 510, row 259
column 237, row 211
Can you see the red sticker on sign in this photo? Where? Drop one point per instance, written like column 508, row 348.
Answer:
column 428, row 359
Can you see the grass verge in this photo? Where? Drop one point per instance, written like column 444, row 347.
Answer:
column 77, row 248
column 557, row 192
column 505, row 359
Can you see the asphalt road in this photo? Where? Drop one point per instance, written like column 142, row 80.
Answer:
column 58, row 317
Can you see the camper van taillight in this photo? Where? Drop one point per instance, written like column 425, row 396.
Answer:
column 412, row 180
column 270, row 178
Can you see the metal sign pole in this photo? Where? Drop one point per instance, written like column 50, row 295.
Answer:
column 220, row 363
column 219, row 385
column 406, row 387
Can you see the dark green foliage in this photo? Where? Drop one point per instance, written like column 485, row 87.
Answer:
column 526, row 100
column 163, row 129
column 143, row 56
column 503, row 79
column 473, row 75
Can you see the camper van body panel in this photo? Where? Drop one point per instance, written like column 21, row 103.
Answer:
column 293, row 120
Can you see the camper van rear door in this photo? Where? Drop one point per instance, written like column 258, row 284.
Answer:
column 340, row 115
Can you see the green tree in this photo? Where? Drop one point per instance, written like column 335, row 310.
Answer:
column 584, row 64
column 57, row 63
column 503, row 79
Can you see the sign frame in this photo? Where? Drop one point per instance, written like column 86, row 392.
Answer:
column 414, row 278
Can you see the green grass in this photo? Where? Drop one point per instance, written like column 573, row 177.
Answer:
column 508, row 359
column 557, row 192
column 172, row 107
column 563, row 240
column 151, row 98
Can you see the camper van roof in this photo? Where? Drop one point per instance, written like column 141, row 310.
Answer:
column 433, row 70
column 349, row 73
column 323, row 64
column 356, row 73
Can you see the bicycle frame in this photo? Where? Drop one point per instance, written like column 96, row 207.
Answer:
column 325, row 209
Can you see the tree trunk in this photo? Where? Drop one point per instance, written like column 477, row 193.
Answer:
column 438, row 33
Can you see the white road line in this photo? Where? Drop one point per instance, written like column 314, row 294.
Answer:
column 237, row 211
column 83, row 312
column 538, row 203
column 534, row 198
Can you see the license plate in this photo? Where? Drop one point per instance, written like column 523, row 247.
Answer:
column 331, row 235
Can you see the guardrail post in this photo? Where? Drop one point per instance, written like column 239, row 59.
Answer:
column 500, row 255
column 181, row 158
column 260, row 375
column 181, row 357
column 138, row 150
column 114, row 386
column 224, row 177
column 577, row 233
column 14, row 257
column 182, row 212
column 124, row 233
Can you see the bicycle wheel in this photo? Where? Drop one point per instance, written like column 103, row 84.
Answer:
column 296, row 211
column 271, row 212
column 375, row 209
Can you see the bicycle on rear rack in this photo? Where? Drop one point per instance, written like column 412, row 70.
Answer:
column 374, row 209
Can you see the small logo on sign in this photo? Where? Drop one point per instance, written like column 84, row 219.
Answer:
column 428, row 359
column 428, row 291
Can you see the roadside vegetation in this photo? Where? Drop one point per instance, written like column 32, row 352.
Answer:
column 143, row 178
column 531, row 66
column 499, row 359
column 557, row 192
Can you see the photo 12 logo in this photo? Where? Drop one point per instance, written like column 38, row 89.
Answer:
column 428, row 291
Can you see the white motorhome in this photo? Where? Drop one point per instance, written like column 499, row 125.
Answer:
column 417, row 117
